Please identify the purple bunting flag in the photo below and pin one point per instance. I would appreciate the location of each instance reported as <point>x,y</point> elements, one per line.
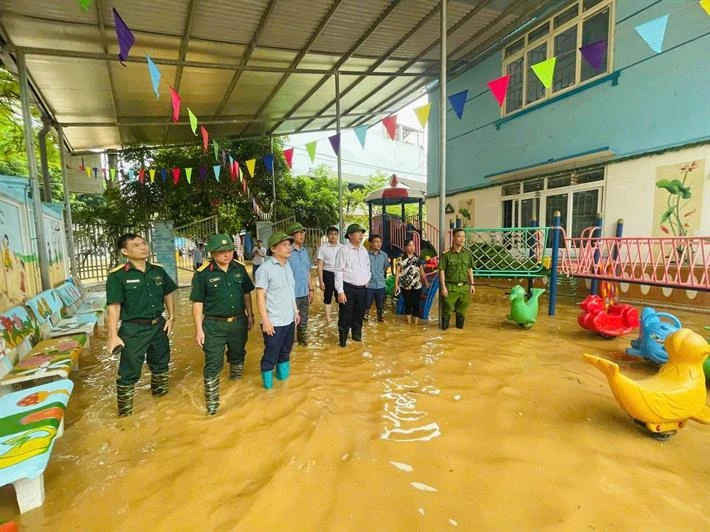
<point>594,53</point>
<point>203,173</point>
<point>125,36</point>
<point>335,143</point>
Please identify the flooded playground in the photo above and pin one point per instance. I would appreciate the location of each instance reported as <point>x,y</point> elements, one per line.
<point>491,427</point>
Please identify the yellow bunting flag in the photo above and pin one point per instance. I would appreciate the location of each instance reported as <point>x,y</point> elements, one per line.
<point>88,171</point>
<point>705,4</point>
<point>152,175</point>
<point>423,114</point>
<point>311,149</point>
<point>193,120</point>
<point>545,71</point>
<point>251,163</point>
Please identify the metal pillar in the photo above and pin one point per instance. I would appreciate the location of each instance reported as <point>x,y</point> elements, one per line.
<point>32,166</point>
<point>67,207</point>
<point>369,225</point>
<point>44,164</point>
<point>273,181</point>
<point>340,162</point>
<point>442,143</point>
<point>556,222</point>
<point>597,233</point>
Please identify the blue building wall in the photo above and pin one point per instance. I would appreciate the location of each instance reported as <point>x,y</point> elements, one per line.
<point>660,100</point>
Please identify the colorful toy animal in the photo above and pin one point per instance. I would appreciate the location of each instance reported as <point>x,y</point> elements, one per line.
<point>608,321</point>
<point>522,312</point>
<point>666,401</point>
<point>652,335</point>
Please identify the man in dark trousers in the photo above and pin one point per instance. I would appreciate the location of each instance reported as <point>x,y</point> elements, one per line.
<point>137,292</point>
<point>222,313</point>
<point>352,273</point>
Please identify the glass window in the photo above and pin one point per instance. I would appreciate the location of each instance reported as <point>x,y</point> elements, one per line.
<point>514,48</point>
<point>566,16</point>
<point>538,33</point>
<point>595,29</point>
<point>535,89</point>
<point>511,189</point>
<point>566,65</point>
<point>534,185</point>
<point>558,202</point>
<point>509,213</point>
<point>514,97</point>
<point>589,4</point>
<point>588,177</point>
<point>585,207</point>
<point>529,211</point>
<point>560,181</point>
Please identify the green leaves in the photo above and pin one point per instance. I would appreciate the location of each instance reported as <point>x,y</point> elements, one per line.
<point>675,187</point>
<point>666,215</point>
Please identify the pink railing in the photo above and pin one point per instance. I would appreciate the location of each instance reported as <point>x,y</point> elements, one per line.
<point>680,262</point>
<point>397,233</point>
<point>429,232</point>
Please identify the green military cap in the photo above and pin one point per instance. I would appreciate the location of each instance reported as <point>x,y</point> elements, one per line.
<point>220,242</point>
<point>354,228</point>
<point>295,227</point>
<point>277,238</point>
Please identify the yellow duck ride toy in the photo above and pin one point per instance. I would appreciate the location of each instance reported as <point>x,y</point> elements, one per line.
<point>663,403</point>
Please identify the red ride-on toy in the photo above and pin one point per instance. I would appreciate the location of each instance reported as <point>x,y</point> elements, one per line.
<point>604,316</point>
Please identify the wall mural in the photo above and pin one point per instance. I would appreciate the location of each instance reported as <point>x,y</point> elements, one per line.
<point>17,279</point>
<point>678,199</point>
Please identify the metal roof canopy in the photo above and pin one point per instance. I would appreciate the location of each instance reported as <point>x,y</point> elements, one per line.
<point>245,68</point>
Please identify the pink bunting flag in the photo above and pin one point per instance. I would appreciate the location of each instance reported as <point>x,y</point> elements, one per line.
<point>390,124</point>
<point>176,100</point>
<point>141,175</point>
<point>205,138</point>
<point>288,155</point>
<point>125,37</point>
<point>499,87</point>
<point>176,175</point>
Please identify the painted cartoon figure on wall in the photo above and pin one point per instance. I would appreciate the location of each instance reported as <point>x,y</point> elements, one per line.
<point>13,289</point>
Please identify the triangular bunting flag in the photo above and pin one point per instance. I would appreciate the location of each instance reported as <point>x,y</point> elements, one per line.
<point>83,166</point>
<point>176,175</point>
<point>215,146</point>
<point>361,134</point>
<point>335,143</point>
<point>96,172</point>
<point>154,76</point>
<point>232,171</point>
<point>544,71</point>
<point>112,171</point>
<point>269,162</point>
<point>458,101</point>
<point>250,164</point>
<point>311,149</point>
<point>217,169</point>
<point>594,54</point>
<point>288,155</point>
<point>499,87</point>
<point>653,32</point>
<point>141,175</point>
<point>390,124</point>
<point>193,121</point>
<point>131,175</point>
<point>164,175</point>
<point>125,37</point>
<point>152,175</point>
<point>422,113</point>
<point>188,174</point>
<point>203,173</point>
<point>88,171</point>
<point>103,173</point>
<point>84,4</point>
<point>705,4</point>
<point>205,138</point>
<point>175,98</point>
<point>231,161</point>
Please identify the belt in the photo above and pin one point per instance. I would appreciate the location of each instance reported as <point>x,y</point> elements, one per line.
<point>457,284</point>
<point>227,319</point>
<point>141,321</point>
<point>356,285</point>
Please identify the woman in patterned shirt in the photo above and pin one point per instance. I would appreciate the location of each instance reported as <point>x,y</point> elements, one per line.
<point>409,278</point>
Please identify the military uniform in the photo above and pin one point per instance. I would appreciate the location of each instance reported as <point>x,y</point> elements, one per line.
<point>225,320</point>
<point>141,296</point>
<point>455,267</point>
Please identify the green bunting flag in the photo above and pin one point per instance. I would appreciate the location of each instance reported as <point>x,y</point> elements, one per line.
<point>311,149</point>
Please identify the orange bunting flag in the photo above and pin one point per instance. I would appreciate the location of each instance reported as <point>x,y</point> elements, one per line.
<point>288,155</point>
<point>175,97</point>
<point>390,124</point>
<point>205,138</point>
<point>251,164</point>
<point>141,175</point>
<point>176,175</point>
<point>499,88</point>
<point>152,175</point>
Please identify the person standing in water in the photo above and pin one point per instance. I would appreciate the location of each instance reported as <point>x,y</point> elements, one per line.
<point>300,263</point>
<point>137,292</point>
<point>276,302</point>
<point>222,314</point>
<point>258,254</point>
<point>198,255</point>
<point>409,279</point>
<point>352,273</point>
<point>325,262</point>
<point>456,280</point>
<point>379,262</point>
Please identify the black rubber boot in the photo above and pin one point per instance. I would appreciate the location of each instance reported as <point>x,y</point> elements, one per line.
<point>301,335</point>
<point>459,321</point>
<point>236,370</point>
<point>380,316</point>
<point>342,337</point>
<point>212,394</point>
<point>445,320</point>
<point>158,384</point>
<point>124,394</point>
<point>357,335</point>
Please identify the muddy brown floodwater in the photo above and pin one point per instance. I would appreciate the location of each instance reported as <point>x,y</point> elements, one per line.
<point>491,427</point>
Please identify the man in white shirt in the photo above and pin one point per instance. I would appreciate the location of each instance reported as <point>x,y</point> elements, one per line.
<point>325,261</point>
<point>352,273</point>
<point>258,254</point>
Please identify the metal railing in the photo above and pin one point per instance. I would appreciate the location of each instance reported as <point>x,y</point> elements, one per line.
<point>189,236</point>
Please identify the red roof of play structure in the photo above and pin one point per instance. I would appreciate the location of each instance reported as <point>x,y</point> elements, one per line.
<point>395,193</point>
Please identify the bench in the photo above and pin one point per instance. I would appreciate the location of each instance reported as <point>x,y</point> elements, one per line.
<point>30,422</point>
<point>77,303</point>
<point>22,360</point>
<point>47,309</point>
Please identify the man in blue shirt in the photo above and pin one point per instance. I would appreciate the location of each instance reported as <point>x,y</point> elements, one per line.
<point>379,262</point>
<point>300,263</point>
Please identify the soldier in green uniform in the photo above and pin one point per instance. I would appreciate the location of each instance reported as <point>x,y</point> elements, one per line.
<point>222,312</point>
<point>456,280</point>
<point>136,294</point>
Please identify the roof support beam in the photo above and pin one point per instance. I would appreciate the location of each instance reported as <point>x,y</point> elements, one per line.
<point>104,41</point>
<point>380,19</point>
<point>247,55</point>
<point>297,60</point>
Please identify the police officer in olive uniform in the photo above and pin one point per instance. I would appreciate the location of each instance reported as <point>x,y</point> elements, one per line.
<point>456,280</point>
<point>222,312</point>
<point>136,293</point>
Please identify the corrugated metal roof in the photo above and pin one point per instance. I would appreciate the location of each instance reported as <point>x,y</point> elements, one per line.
<point>236,62</point>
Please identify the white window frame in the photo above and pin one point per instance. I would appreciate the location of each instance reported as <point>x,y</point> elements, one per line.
<point>549,40</point>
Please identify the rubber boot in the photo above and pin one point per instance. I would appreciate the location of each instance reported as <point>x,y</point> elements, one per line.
<point>301,335</point>
<point>342,337</point>
<point>366,317</point>
<point>459,321</point>
<point>267,379</point>
<point>124,394</point>
<point>283,370</point>
<point>357,335</point>
<point>158,384</point>
<point>380,316</point>
<point>211,394</point>
<point>445,320</point>
<point>236,370</point>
